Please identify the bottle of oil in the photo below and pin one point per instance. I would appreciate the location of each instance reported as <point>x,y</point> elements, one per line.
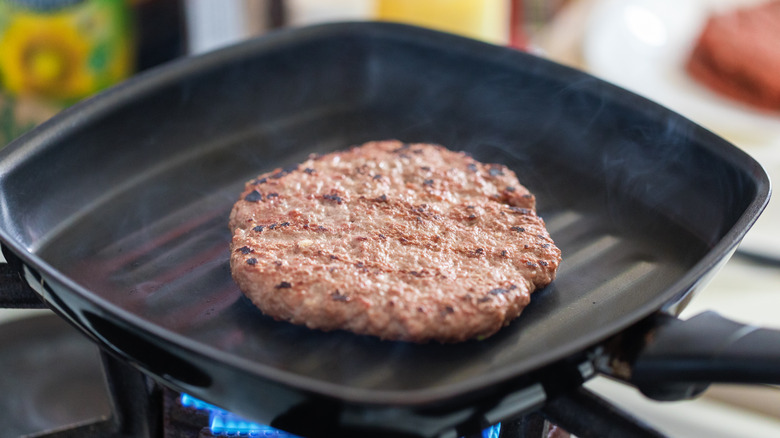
<point>56,52</point>
<point>482,19</point>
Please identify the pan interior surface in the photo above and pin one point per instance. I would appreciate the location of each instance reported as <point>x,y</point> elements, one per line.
<point>137,195</point>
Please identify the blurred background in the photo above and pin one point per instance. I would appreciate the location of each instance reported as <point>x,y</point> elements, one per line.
<point>715,61</point>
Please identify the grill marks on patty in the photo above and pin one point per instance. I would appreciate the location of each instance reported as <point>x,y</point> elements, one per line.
<point>396,240</point>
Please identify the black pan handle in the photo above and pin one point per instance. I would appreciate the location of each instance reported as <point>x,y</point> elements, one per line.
<point>681,358</point>
<point>15,293</point>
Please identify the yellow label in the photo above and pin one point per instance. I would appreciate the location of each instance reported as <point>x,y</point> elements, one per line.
<point>66,49</point>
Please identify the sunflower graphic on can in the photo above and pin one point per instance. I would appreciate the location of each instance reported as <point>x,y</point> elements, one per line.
<point>63,49</point>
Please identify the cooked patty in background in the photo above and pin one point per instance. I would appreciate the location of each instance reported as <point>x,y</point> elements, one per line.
<point>737,54</point>
<point>409,242</point>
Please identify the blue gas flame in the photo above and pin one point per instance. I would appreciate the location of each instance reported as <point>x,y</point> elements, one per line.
<point>224,423</point>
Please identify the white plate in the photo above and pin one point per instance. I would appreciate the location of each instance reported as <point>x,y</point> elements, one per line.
<point>642,45</point>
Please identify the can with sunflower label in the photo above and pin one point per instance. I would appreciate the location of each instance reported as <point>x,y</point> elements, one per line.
<point>56,52</point>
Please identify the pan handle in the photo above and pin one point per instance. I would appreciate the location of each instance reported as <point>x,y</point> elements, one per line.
<point>15,293</point>
<point>681,358</point>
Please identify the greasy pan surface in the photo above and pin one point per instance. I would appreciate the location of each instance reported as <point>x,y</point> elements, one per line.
<point>121,204</point>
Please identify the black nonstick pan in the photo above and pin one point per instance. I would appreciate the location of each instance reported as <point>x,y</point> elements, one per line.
<point>115,211</point>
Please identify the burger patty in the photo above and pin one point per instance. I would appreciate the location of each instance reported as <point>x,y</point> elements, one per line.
<point>737,55</point>
<point>409,242</point>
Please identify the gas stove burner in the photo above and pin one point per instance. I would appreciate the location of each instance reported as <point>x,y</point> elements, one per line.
<point>64,386</point>
<point>52,377</point>
<point>59,385</point>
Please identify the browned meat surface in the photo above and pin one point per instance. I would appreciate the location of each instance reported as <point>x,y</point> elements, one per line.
<point>738,55</point>
<point>408,242</point>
